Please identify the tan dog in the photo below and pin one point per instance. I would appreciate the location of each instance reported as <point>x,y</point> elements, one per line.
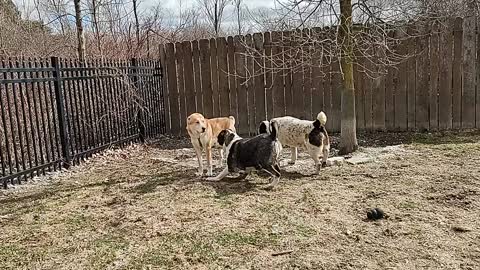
<point>203,133</point>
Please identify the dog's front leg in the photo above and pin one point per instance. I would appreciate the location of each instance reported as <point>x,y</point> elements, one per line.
<point>220,176</point>
<point>326,153</point>
<point>198,151</point>
<point>294,156</point>
<point>221,161</point>
<point>209,161</point>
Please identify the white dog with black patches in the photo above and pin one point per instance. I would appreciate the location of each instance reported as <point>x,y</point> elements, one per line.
<point>309,135</point>
<point>259,153</point>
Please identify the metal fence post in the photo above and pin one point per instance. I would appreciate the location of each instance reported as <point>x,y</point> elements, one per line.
<point>62,120</point>
<point>140,113</point>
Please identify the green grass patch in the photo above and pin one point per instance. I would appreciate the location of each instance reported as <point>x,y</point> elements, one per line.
<point>13,256</point>
<point>105,250</point>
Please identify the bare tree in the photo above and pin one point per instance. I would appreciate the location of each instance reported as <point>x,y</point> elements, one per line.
<point>238,13</point>
<point>213,10</point>
<point>345,38</point>
<point>80,34</point>
<point>137,24</point>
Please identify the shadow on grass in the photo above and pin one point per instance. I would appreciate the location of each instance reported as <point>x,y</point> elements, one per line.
<point>29,198</point>
<point>58,190</point>
<point>238,185</point>
<point>162,179</point>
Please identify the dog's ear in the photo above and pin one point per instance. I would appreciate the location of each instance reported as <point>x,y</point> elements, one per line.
<point>229,138</point>
<point>221,137</point>
<point>262,129</point>
<point>316,124</point>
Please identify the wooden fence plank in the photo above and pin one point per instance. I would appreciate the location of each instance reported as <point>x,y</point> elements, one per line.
<point>327,94</point>
<point>477,103</point>
<point>307,77</point>
<point>172,87</point>
<point>250,87</point>
<point>401,84</point>
<point>258,72</point>
<point>359,93</point>
<point>379,94</point>
<point>240,63</point>
<point>457,73</point>
<point>214,77</point>
<point>421,84</point>
<point>206,78</point>
<point>368,86</point>
<point>267,44</point>
<point>297,76</point>
<point>468,80</point>
<point>189,78</point>
<point>224,109</point>
<point>197,77</point>
<point>390,78</point>
<point>411,80</point>
<point>390,98</point>
<point>336,84</point>
<point>278,84</point>
<point>231,79</point>
<point>168,128</point>
<point>445,80</point>
<point>287,74</point>
<point>316,75</point>
<point>180,86</point>
<point>434,75</point>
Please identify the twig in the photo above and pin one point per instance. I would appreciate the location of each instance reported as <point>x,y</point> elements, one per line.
<point>282,253</point>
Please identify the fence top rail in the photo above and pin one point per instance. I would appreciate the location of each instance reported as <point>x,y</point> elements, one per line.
<point>112,68</point>
<point>27,80</point>
<point>22,69</point>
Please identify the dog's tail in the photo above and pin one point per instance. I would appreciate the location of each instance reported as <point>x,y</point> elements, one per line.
<point>322,117</point>
<point>273,130</point>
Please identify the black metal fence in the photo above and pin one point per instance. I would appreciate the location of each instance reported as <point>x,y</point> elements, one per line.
<point>55,112</point>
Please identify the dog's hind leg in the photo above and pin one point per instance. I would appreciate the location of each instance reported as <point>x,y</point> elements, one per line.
<point>275,175</point>
<point>220,176</point>
<point>294,155</point>
<point>315,154</point>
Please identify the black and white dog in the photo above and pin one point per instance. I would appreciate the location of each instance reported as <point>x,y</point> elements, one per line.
<point>259,153</point>
<point>309,135</point>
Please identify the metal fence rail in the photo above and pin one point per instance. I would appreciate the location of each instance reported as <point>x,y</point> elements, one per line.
<point>55,112</point>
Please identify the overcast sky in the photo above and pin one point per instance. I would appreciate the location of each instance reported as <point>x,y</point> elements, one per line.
<point>249,3</point>
<point>25,6</point>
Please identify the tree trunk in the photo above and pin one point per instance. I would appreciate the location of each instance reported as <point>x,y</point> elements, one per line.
<point>239,21</point>
<point>216,19</point>
<point>80,34</point>
<point>96,28</point>
<point>348,141</point>
<point>137,26</point>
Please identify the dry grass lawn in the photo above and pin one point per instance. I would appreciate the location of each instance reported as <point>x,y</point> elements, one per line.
<point>142,208</point>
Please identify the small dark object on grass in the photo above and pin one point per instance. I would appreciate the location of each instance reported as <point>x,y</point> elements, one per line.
<point>375,213</point>
<point>461,229</point>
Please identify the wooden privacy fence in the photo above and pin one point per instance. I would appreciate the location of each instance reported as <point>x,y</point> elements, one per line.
<point>54,112</point>
<point>437,88</point>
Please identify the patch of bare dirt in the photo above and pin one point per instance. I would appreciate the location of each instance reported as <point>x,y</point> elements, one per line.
<point>142,207</point>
